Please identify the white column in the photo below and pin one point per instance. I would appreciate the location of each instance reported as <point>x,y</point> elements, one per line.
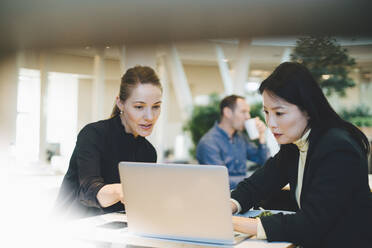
<point>241,66</point>
<point>365,89</point>
<point>179,81</point>
<point>286,55</point>
<point>224,70</point>
<point>159,134</point>
<point>43,105</point>
<point>98,86</point>
<point>9,68</point>
<point>122,59</point>
<point>355,75</point>
<point>183,97</point>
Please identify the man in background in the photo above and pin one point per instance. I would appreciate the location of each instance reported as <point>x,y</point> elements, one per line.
<point>226,144</point>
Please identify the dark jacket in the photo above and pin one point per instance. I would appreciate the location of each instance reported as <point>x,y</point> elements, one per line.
<point>336,201</point>
<point>100,146</point>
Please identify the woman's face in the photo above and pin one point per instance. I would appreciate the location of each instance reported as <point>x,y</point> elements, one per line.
<point>285,120</point>
<point>141,110</point>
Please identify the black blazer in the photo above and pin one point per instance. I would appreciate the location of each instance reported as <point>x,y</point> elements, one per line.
<point>100,146</point>
<point>336,201</point>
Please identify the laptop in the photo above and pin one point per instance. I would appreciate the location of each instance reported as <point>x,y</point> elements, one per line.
<point>178,202</point>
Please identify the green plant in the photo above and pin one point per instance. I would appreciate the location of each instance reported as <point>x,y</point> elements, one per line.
<point>327,61</point>
<point>202,119</point>
<point>360,116</point>
<point>256,111</point>
<point>362,121</point>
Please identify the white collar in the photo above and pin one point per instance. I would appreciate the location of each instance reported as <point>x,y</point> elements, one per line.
<point>302,142</point>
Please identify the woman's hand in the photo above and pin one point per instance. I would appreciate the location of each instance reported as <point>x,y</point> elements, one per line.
<point>110,194</point>
<point>234,208</point>
<point>119,192</point>
<point>245,225</point>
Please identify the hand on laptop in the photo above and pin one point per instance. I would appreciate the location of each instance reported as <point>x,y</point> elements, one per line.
<point>245,225</point>
<point>234,208</point>
<point>110,194</point>
<point>119,192</point>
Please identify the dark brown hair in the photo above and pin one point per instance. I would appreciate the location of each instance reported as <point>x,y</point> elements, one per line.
<point>132,77</point>
<point>230,102</point>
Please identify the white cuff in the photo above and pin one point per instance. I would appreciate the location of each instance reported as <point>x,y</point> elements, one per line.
<point>237,204</point>
<point>261,234</point>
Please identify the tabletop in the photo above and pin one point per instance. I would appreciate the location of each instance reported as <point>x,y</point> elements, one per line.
<point>91,230</point>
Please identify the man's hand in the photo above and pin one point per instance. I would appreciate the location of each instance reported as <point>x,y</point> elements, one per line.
<point>261,127</point>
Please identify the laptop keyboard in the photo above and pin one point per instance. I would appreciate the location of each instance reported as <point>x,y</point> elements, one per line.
<point>238,237</point>
<point>236,234</point>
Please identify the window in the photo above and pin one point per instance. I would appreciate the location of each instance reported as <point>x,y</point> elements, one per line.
<point>28,115</point>
<point>62,111</point>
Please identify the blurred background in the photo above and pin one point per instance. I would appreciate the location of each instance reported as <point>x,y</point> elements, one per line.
<point>61,64</point>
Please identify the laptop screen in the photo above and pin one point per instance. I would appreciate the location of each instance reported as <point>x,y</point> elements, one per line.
<point>174,201</point>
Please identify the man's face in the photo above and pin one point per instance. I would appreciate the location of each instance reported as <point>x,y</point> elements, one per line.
<point>240,114</point>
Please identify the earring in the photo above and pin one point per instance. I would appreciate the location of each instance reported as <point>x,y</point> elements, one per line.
<point>121,112</point>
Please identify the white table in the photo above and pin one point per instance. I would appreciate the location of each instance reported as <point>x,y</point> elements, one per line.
<point>88,230</point>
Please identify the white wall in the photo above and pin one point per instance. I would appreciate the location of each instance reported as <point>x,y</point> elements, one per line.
<point>203,80</point>
<point>361,93</point>
<point>8,103</point>
<point>84,103</point>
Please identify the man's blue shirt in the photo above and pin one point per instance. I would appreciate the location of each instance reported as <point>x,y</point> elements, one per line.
<point>215,147</point>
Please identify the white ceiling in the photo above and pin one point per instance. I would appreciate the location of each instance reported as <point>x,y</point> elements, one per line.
<point>265,53</point>
<point>195,26</point>
<point>76,23</point>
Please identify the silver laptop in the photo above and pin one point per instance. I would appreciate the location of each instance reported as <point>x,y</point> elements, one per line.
<point>178,202</point>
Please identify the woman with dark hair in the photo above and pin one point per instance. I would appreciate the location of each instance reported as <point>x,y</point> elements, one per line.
<point>324,160</point>
<point>91,185</point>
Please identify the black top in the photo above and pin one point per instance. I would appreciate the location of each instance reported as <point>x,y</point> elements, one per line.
<point>100,146</point>
<point>336,201</point>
